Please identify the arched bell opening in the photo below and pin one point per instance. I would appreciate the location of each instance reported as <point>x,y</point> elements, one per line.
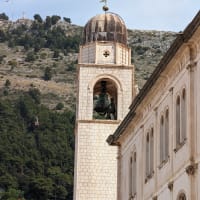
<point>105,100</point>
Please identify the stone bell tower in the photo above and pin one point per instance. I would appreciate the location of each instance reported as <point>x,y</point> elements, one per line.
<point>105,91</point>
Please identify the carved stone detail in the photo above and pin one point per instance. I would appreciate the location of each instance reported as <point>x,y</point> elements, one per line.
<point>191,169</point>
<point>191,66</point>
<point>170,185</point>
<point>155,198</point>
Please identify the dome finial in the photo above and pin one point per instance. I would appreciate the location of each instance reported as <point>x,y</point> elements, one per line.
<point>105,7</point>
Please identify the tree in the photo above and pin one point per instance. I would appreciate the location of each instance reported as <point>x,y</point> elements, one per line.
<point>12,194</point>
<point>4,16</point>
<point>67,19</point>
<point>3,36</point>
<point>56,53</point>
<point>41,188</point>
<point>35,162</point>
<point>1,58</point>
<point>30,56</point>
<point>35,94</point>
<point>38,18</point>
<point>48,22</point>
<point>47,74</point>
<point>59,106</point>
<point>7,83</point>
<point>13,63</point>
<point>55,19</point>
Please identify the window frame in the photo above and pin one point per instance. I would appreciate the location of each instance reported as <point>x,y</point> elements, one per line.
<point>181,129</point>
<point>149,155</point>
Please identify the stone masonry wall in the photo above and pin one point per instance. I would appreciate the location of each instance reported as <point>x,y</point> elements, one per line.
<point>96,165</point>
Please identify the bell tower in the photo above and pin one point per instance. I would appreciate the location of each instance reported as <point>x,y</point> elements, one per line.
<point>105,91</point>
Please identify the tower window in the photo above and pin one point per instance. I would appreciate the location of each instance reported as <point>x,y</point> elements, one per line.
<point>105,100</point>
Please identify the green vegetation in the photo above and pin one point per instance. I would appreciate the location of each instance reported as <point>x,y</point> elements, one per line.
<point>3,16</point>
<point>59,106</point>
<point>7,83</point>
<point>67,19</point>
<point>41,34</point>
<point>47,74</point>
<point>12,63</point>
<point>30,56</point>
<point>36,150</point>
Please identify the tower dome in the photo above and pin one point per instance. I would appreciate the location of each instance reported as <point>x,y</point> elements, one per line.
<point>105,27</point>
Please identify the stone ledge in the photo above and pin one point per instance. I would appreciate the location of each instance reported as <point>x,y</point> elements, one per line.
<point>96,121</point>
<point>105,65</point>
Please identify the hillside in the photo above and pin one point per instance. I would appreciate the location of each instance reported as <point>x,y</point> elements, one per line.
<point>28,48</point>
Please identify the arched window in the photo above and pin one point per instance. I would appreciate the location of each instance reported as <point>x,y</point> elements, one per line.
<point>105,100</point>
<point>178,121</point>
<point>182,196</point>
<point>151,151</point>
<point>166,134</point>
<point>134,172</point>
<point>183,115</point>
<point>161,139</point>
<point>164,137</point>
<point>132,175</point>
<point>149,154</point>
<point>181,121</point>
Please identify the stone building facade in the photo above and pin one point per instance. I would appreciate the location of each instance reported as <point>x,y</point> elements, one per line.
<point>158,141</point>
<point>153,145</point>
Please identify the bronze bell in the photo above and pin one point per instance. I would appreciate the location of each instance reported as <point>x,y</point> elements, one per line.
<point>102,101</point>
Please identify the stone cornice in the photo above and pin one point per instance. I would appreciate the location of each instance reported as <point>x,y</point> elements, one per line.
<point>96,121</point>
<point>114,66</point>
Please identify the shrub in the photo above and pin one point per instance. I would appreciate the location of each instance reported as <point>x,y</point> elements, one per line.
<point>30,56</point>
<point>47,74</point>
<point>35,94</point>
<point>1,58</point>
<point>59,106</point>
<point>3,16</point>
<point>7,83</point>
<point>67,19</point>
<point>38,18</point>
<point>12,63</point>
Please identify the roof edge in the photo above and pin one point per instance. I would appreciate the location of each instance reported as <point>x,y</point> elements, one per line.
<point>178,42</point>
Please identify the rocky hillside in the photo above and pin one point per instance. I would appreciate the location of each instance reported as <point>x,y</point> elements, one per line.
<point>43,55</point>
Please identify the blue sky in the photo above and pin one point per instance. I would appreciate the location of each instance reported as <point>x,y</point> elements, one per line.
<point>171,15</point>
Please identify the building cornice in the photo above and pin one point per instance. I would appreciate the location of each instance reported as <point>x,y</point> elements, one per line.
<point>182,38</point>
<point>99,121</point>
<point>114,66</point>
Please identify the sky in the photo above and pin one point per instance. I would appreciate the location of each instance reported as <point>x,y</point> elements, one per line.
<point>166,15</point>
